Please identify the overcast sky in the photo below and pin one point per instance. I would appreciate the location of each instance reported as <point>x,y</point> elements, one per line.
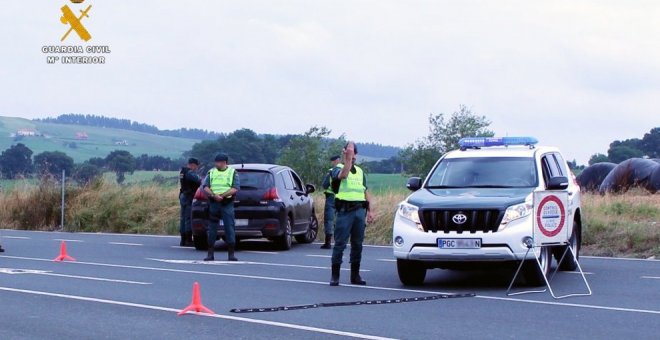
<point>575,74</point>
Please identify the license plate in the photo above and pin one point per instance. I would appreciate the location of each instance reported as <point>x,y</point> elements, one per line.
<point>238,222</point>
<point>459,243</point>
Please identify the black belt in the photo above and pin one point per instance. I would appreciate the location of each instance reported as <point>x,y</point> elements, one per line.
<point>348,206</point>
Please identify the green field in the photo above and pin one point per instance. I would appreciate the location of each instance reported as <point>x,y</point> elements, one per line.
<point>386,182</point>
<point>100,142</point>
<point>143,177</point>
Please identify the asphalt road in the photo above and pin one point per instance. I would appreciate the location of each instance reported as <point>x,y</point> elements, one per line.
<point>125,286</point>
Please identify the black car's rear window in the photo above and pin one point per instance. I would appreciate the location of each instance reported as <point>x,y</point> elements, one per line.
<point>255,180</point>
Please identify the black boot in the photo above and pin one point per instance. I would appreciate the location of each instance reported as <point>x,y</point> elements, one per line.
<point>328,242</point>
<point>230,253</point>
<point>210,256</point>
<point>334,280</point>
<point>182,243</point>
<point>1,250</point>
<point>188,241</point>
<point>355,275</point>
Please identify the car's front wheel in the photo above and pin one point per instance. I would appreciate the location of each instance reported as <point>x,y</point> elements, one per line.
<point>531,272</point>
<point>312,231</point>
<point>284,242</point>
<point>411,273</point>
<point>569,263</point>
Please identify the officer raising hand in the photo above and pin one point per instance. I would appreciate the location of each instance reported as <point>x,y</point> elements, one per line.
<point>354,211</point>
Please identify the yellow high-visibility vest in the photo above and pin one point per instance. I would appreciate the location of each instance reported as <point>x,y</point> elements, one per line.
<point>329,189</point>
<point>221,181</point>
<point>352,187</point>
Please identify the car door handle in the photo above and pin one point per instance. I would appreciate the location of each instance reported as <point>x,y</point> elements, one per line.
<point>570,193</point>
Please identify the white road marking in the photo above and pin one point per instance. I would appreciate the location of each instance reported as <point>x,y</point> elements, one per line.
<point>618,258</point>
<point>260,252</point>
<point>16,237</point>
<point>126,244</point>
<point>269,278</point>
<point>94,278</point>
<point>324,256</point>
<point>651,277</point>
<point>217,316</point>
<point>585,273</point>
<point>15,271</point>
<point>248,263</point>
<point>386,260</point>
<point>67,240</point>
<point>179,247</point>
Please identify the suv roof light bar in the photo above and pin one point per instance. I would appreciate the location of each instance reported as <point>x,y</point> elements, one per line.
<point>480,142</point>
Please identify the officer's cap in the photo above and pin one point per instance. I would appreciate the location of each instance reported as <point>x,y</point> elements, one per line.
<point>334,158</point>
<point>221,157</point>
<point>193,161</point>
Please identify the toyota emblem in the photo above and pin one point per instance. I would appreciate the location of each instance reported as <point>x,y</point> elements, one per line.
<point>459,218</point>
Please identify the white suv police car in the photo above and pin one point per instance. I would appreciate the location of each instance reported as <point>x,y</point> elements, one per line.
<point>475,208</point>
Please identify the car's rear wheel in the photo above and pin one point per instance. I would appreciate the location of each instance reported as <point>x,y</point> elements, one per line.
<point>312,231</point>
<point>286,239</point>
<point>201,241</point>
<point>531,272</point>
<point>411,273</point>
<point>575,242</point>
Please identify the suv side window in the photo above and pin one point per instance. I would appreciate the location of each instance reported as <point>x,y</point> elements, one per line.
<point>297,182</point>
<point>288,182</point>
<point>549,167</point>
<point>560,164</point>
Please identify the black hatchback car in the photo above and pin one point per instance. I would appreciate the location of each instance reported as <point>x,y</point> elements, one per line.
<point>273,202</point>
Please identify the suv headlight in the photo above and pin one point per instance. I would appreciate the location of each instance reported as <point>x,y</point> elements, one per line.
<point>409,212</point>
<point>515,212</point>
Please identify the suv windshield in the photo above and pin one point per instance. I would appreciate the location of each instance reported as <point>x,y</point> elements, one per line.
<point>253,180</point>
<point>484,172</point>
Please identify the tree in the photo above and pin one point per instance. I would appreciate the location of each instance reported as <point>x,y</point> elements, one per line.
<point>650,143</point>
<point>86,173</point>
<point>598,158</point>
<point>16,161</point>
<point>444,134</point>
<point>97,161</point>
<point>53,162</point>
<point>121,162</point>
<point>620,153</point>
<point>308,154</point>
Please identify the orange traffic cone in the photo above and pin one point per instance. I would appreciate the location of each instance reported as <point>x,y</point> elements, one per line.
<point>196,304</point>
<point>64,256</point>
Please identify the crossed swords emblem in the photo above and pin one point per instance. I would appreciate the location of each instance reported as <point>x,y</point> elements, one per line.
<point>75,22</point>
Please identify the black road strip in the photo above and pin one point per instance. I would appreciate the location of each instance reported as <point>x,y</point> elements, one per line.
<point>351,303</point>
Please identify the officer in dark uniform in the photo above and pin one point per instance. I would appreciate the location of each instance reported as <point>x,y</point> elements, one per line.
<point>329,208</point>
<point>1,250</point>
<point>221,186</point>
<point>189,181</point>
<point>354,211</point>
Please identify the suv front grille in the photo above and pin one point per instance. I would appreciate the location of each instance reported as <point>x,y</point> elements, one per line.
<point>438,220</point>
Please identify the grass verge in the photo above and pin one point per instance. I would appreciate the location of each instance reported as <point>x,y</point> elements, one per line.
<point>625,225</point>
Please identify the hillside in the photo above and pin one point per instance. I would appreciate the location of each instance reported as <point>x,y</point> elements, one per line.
<point>99,141</point>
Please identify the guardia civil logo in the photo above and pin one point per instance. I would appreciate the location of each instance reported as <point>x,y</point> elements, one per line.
<point>74,22</point>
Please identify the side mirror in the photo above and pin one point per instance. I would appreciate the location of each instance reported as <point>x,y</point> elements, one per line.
<point>557,183</point>
<point>309,188</point>
<point>414,183</point>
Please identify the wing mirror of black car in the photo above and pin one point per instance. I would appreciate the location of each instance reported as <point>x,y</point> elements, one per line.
<point>414,183</point>
<point>309,188</point>
<point>557,183</point>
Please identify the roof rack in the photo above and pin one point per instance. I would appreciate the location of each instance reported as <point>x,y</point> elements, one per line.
<point>481,142</point>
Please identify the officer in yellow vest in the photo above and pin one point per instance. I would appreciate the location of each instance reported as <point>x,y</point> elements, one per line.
<point>329,208</point>
<point>221,185</point>
<point>354,211</point>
